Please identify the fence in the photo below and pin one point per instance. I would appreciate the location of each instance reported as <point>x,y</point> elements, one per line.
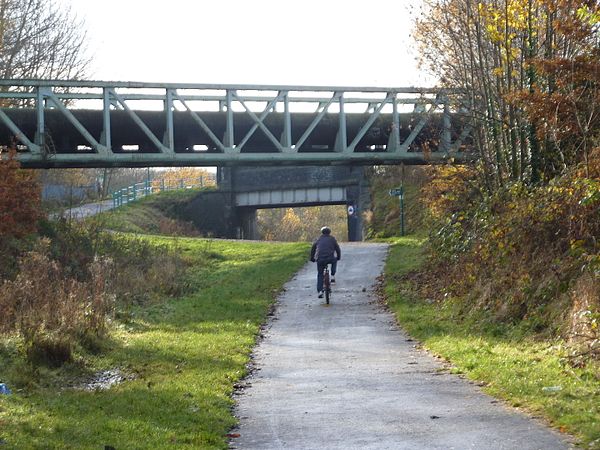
<point>139,190</point>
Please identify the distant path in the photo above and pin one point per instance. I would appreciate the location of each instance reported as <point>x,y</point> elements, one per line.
<point>89,209</point>
<point>344,377</point>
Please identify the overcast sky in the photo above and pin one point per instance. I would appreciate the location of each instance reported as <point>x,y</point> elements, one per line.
<point>308,42</point>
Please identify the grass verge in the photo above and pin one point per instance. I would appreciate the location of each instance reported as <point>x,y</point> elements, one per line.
<point>185,354</point>
<point>155,214</point>
<point>526,372</point>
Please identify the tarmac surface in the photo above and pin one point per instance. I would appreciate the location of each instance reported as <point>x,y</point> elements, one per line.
<point>344,376</point>
<point>87,210</point>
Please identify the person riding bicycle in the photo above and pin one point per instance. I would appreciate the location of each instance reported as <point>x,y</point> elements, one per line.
<point>325,250</point>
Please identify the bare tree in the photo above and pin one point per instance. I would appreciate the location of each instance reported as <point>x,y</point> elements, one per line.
<point>41,39</point>
<point>508,57</point>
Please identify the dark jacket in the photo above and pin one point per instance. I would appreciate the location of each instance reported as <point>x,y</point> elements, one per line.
<point>326,247</point>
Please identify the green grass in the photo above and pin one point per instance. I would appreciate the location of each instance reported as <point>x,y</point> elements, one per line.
<point>143,215</point>
<point>514,367</point>
<point>186,354</point>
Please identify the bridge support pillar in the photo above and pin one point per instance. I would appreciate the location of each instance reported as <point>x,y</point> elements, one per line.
<point>213,213</point>
<point>359,201</point>
<point>354,234</point>
<point>248,224</point>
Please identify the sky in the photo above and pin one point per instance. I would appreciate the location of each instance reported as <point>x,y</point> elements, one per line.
<point>307,43</point>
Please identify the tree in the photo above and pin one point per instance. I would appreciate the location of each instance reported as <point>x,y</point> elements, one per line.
<point>568,101</point>
<point>40,39</point>
<point>174,177</point>
<point>301,224</point>
<point>509,56</point>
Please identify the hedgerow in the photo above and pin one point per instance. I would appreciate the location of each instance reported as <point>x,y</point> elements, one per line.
<point>526,255</point>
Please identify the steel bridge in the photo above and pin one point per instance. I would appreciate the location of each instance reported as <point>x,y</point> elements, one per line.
<point>57,124</point>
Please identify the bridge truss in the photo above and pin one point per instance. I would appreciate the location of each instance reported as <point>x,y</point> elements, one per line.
<point>126,124</point>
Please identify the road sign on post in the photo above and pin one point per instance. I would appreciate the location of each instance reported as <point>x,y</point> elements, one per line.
<point>399,192</point>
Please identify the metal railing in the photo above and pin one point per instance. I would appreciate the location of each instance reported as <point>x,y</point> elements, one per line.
<point>138,190</point>
<point>62,123</point>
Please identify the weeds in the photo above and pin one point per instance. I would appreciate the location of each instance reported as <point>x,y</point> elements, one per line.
<point>50,310</point>
<point>69,286</point>
<point>584,331</point>
<point>522,255</point>
<point>186,354</point>
<point>141,269</point>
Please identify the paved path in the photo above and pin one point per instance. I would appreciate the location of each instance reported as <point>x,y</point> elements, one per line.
<point>89,209</point>
<point>344,377</point>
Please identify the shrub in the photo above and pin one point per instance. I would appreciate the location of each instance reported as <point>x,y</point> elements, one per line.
<point>141,270</point>
<point>50,309</point>
<point>584,326</point>
<point>519,254</point>
<point>20,198</point>
<point>20,210</point>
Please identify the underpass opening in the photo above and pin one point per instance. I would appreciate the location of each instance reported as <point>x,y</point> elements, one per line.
<point>302,223</point>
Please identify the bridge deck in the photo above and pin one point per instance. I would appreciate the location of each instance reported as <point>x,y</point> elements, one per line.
<point>95,124</point>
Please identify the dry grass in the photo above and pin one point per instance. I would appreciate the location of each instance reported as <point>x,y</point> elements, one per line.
<point>584,333</point>
<point>68,287</point>
<point>173,227</point>
<point>50,310</point>
<point>138,281</point>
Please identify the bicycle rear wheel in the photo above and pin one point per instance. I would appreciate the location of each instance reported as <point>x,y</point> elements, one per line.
<point>327,285</point>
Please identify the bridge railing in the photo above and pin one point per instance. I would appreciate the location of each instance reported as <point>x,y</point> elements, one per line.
<point>93,124</point>
<point>148,187</point>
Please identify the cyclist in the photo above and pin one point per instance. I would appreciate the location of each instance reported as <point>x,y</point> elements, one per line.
<point>325,250</point>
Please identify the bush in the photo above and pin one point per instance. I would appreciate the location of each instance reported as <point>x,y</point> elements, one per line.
<point>20,210</point>
<point>141,269</point>
<point>50,309</point>
<point>521,254</point>
<point>20,198</point>
<point>66,289</point>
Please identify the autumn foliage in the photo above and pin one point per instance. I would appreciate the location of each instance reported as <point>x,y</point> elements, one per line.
<point>19,198</point>
<point>529,73</point>
<point>186,175</point>
<point>301,224</point>
<point>524,255</point>
<point>517,236</point>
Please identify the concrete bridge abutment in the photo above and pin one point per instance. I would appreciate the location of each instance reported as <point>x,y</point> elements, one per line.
<point>231,211</point>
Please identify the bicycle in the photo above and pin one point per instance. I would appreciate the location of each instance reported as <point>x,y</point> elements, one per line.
<point>326,283</point>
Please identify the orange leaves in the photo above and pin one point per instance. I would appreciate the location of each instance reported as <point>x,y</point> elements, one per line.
<point>445,192</point>
<point>301,224</point>
<point>520,248</point>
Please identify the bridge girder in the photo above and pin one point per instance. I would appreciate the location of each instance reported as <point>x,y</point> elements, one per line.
<point>103,124</point>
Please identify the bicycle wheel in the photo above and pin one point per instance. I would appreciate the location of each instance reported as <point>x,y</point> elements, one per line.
<point>326,285</point>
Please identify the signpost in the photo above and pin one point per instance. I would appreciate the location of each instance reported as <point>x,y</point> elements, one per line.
<point>399,192</point>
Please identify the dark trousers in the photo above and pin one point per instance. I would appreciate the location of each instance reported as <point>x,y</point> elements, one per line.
<point>321,263</point>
